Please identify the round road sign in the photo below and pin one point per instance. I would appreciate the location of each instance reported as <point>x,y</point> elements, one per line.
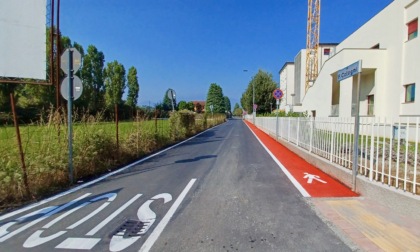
<point>77,88</point>
<point>277,93</point>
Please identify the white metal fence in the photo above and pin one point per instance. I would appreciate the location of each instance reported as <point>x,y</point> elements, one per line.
<point>388,148</point>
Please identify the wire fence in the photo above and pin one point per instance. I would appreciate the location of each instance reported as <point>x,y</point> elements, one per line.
<point>388,148</point>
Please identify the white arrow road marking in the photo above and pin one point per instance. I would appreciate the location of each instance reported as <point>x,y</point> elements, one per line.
<point>30,224</point>
<point>311,177</point>
<point>162,224</point>
<point>35,239</point>
<point>145,215</point>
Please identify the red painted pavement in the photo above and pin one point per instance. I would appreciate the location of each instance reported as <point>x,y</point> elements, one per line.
<point>298,168</point>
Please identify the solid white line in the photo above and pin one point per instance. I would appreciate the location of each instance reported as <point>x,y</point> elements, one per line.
<point>97,180</point>
<point>288,174</point>
<point>162,224</point>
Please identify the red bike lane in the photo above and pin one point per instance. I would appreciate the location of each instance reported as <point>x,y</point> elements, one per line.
<point>315,182</point>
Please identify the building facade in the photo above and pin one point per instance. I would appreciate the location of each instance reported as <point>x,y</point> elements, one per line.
<point>389,49</point>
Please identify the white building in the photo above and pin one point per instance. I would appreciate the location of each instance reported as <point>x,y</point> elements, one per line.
<point>287,76</point>
<point>389,48</point>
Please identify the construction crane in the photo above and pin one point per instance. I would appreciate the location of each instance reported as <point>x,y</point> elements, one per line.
<point>312,42</point>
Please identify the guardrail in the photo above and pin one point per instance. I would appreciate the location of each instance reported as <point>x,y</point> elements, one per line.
<point>388,148</point>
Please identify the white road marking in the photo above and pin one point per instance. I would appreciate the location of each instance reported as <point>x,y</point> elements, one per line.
<point>35,239</point>
<point>96,211</point>
<point>3,229</point>
<point>162,224</point>
<point>112,216</point>
<point>30,224</point>
<point>288,174</point>
<point>8,215</point>
<point>311,177</point>
<point>144,214</point>
<point>78,243</point>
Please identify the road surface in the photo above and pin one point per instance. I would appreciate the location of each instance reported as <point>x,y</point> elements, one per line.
<point>219,191</point>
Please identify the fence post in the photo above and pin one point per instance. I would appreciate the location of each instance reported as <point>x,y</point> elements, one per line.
<point>332,139</point>
<point>22,155</point>
<point>311,134</point>
<point>297,131</point>
<point>372,145</point>
<point>116,126</point>
<point>415,156</point>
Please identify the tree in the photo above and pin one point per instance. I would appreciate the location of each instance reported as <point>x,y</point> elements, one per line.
<point>167,104</point>
<point>115,84</point>
<point>133,87</point>
<point>182,105</point>
<point>227,104</point>
<point>92,74</point>
<point>264,86</point>
<point>237,111</point>
<point>190,106</point>
<point>215,98</point>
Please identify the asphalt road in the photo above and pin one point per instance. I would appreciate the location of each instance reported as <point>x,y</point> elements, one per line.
<point>219,191</point>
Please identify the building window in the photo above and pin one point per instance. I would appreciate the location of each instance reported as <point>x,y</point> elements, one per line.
<point>410,91</point>
<point>412,29</point>
<point>327,51</point>
<point>371,105</point>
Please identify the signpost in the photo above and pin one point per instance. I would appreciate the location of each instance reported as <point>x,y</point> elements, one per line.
<point>277,94</point>
<point>349,71</point>
<point>71,89</point>
<point>171,95</point>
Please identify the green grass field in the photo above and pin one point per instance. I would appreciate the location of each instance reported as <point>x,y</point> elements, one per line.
<point>95,151</point>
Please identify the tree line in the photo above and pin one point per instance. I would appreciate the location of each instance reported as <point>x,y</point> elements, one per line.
<point>103,87</point>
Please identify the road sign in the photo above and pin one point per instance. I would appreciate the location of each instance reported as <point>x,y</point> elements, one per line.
<point>77,88</point>
<point>349,71</point>
<point>77,60</point>
<point>255,107</point>
<point>171,94</point>
<point>277,93</point>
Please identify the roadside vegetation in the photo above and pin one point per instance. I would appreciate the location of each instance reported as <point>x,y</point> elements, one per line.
<point>96,150</point>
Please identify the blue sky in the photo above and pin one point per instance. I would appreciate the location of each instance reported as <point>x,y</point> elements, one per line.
<point>188,44</point>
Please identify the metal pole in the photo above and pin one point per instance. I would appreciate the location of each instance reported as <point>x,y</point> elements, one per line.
<point>253,103</point>
<point>58,41</point>
<point>277,118</point>
<point>172,100</point>
<point>69,116</point>
<point>22,155</point>
<point>356,131</point>
<point>116,125</point>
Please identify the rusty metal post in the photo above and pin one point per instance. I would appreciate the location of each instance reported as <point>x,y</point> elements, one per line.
<point>116,124</point>
<point>58,42</point>
<point>22,155</point>
<point>155,121</point>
